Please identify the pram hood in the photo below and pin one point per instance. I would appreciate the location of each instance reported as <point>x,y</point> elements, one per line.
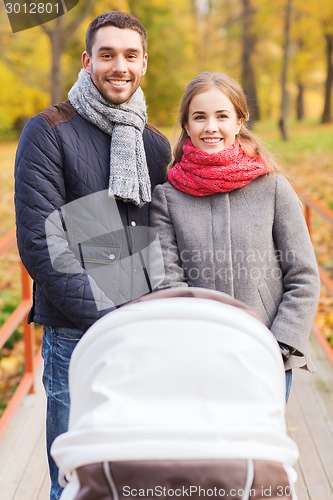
<point>182,374</point>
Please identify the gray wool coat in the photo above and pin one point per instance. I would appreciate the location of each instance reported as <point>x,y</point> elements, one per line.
<point>252,244</point>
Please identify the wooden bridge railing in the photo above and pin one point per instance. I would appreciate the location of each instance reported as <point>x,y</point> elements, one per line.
<point>312,205</point>
<point>18,316</point>
<point>31,360</point>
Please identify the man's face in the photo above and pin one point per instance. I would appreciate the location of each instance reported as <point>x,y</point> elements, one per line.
<point>117,63</point>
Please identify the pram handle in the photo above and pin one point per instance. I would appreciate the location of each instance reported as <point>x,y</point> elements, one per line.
<point>196,292</point>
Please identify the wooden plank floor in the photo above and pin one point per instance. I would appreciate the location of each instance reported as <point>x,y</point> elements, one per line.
<point>23,460</point>
<point>310,423</point>
<point>23,463</point>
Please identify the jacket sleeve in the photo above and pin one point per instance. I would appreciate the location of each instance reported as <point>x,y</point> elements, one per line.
<point>39,192</point>
<point>301,282</point>
<point>161,219</point>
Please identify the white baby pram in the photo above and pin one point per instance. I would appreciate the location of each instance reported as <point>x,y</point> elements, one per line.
<point>179,394</point>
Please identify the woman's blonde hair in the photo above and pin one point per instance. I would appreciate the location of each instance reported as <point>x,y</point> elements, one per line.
<point>204,82</point>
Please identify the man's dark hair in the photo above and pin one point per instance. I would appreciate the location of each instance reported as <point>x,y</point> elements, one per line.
<point>118,19</point>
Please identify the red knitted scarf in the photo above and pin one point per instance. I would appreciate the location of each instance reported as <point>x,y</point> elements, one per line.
<point>202,174</point>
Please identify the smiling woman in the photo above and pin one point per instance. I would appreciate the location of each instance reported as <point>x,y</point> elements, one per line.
<point>224,195</point>
<point>215,128</point>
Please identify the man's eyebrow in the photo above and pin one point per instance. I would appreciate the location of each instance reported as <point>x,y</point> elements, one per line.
<point>110,49</point>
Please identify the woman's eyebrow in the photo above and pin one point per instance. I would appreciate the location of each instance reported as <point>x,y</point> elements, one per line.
<point>217,111</point>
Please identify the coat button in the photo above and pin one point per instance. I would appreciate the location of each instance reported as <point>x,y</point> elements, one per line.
<point>133,223</point>
<point>112,256</point>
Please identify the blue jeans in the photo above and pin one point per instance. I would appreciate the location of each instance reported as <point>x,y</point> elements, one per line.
<point>289,377</point>
<point>57,347</point>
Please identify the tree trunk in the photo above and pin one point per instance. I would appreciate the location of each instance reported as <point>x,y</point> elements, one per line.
<point>57,47</point>
<point>248,76</point>
<point>284,106</point>
<point>58,33</point>
<point>300,101</point>
<point>326,118</point>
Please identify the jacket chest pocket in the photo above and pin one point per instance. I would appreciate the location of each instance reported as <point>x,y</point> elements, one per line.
<point>92,255</point>
<point>103,265</point>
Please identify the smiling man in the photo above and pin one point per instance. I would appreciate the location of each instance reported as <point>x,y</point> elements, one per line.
<point>116,62</point>
<point>98,141</point>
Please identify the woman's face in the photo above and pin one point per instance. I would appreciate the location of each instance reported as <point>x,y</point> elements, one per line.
<point>212,121</point>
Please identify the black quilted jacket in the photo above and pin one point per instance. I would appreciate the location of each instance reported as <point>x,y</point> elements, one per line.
<point>61,158</point>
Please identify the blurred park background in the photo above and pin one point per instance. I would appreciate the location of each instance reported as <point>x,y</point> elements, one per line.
<point>281,52</point>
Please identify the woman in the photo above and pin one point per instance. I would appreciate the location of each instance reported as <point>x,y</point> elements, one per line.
<point>229,221</point>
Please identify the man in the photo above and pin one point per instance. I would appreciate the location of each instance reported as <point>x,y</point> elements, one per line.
<point>96,142</point>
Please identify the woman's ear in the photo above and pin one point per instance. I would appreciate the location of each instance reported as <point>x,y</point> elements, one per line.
<point>239,125</point>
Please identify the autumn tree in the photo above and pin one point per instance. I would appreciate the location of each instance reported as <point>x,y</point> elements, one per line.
<point>171,30</point>
<point>24,71</point>
<point>59,31</point>
<point>284,104</point>
<point>248,49</point>
<point>230,39</point>
<point>243,38</point>
<point>327,25</point>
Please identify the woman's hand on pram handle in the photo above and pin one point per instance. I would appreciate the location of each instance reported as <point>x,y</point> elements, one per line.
<point>287,351</point>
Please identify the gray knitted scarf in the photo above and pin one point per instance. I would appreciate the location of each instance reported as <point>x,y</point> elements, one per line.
<point>129,177</point>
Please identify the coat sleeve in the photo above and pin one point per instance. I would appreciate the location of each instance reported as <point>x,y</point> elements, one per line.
<point>301,282</point>
<point>39,192</point>
<point>161,219</point>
